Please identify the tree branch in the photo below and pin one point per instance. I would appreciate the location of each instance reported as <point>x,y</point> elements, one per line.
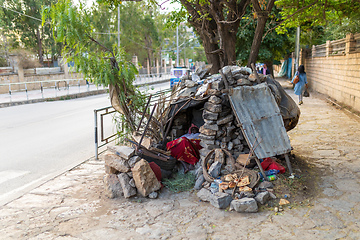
<point>288,17</point>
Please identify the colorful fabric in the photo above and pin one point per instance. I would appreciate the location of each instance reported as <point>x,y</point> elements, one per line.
<point>185,150</point>
<point>270,163</point>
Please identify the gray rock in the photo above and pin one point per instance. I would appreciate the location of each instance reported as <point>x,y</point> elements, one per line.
<point>207,142</point>
<point>133,160</point>
<point>236,142</point>
<point>122,151</point>
<point>247,194</point>
<point>206,131</point>
<point>214,127</point>
<point>130,174</point>
<point>243,82</point>
<point>153,195</point>
<point>206,137</point>
<point>195,77</point>
<point>226,139</point>
<point>223,145</point>
<point>218,85</point>
<point>210,122</point>
<point>215,108</point>
<point>220,200</point>
<point>230,146</point>
<point>213,92</point>
<point>225,120</point>
<point>128,190</point>
<point>220,133</point>
<point>198,171</point>
<point>272,195</point>
<point>215,100</point>
<point>110,170</point>
<point>204,195</point>
<point>262,197</point>
<point>204,152</point>
<point>266,184</point>
<point>244,205</point>
<point>214,169</point>
<point>219,156</point>
<point>132,183</point>
<point>199,181</point>
<point>190,84</point>
<point>112,186</point>
<point>116,162</point>
<point>210,115</point>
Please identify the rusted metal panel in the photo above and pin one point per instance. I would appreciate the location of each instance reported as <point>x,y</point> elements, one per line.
<point>259,115</point>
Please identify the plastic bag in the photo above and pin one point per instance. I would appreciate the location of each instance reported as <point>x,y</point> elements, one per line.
<point>306,93</point>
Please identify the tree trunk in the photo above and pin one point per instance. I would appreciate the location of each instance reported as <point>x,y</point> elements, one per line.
<point>229,43</point>
<point>255,47</point>
<point>259,30</point>
<point>39,43</point>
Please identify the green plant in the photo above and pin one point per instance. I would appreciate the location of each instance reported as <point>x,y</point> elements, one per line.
<point>180,183</point>
<point>101,65</point>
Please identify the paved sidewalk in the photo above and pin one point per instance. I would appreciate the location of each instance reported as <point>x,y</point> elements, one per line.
<point>73,205</point>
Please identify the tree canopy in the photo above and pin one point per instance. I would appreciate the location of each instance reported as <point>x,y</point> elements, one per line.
<point>21,20</point>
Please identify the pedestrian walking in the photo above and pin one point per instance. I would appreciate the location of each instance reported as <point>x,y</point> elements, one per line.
<point>300,81</point>
<point>265,70</point>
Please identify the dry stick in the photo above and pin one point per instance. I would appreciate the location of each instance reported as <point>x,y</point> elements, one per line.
<point>172,118</point>
<point>256,74</point>
<point>147,125</point>
<point>142,117</point>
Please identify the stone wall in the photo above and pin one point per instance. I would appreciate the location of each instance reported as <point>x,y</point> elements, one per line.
<point>334,69</point>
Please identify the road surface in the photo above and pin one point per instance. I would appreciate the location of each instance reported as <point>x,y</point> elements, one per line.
<point>42,140</point>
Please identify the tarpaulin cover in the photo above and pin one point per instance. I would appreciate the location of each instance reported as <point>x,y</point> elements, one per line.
<point>289,110</point>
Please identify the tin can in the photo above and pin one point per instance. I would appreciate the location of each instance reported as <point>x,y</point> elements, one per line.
<point>272,177</point>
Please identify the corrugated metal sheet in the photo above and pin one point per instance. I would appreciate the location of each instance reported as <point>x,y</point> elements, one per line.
<point>261,120</point>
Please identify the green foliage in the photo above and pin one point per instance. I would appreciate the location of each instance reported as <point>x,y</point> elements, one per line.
<point>21,24</point>
<point>180,183</point>
<point>312,13</point>
<point>274,46</point>
<point>98,63</point>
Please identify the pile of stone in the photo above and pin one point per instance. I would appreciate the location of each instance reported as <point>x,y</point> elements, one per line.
<point>221,131</point>
<point>127,174</point>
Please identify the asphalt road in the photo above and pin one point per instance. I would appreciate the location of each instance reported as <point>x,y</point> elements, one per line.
<point>42,140</point>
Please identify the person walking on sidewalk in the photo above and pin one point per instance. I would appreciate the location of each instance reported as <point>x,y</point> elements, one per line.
<point>301,84</point>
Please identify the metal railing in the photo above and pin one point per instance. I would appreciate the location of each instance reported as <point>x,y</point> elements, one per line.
<point>104,140</point>
<point>37,89</point>
<point>45,89</point>
<point>102,112</point>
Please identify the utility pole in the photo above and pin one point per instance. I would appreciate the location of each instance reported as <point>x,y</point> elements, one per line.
<point>177,46</point>
<point>297,49</point>
<point>119,26</point>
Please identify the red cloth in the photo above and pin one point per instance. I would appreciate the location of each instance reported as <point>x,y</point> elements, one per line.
<point>270,163</point>
<point>156,169</point>
<point>185,150</point>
